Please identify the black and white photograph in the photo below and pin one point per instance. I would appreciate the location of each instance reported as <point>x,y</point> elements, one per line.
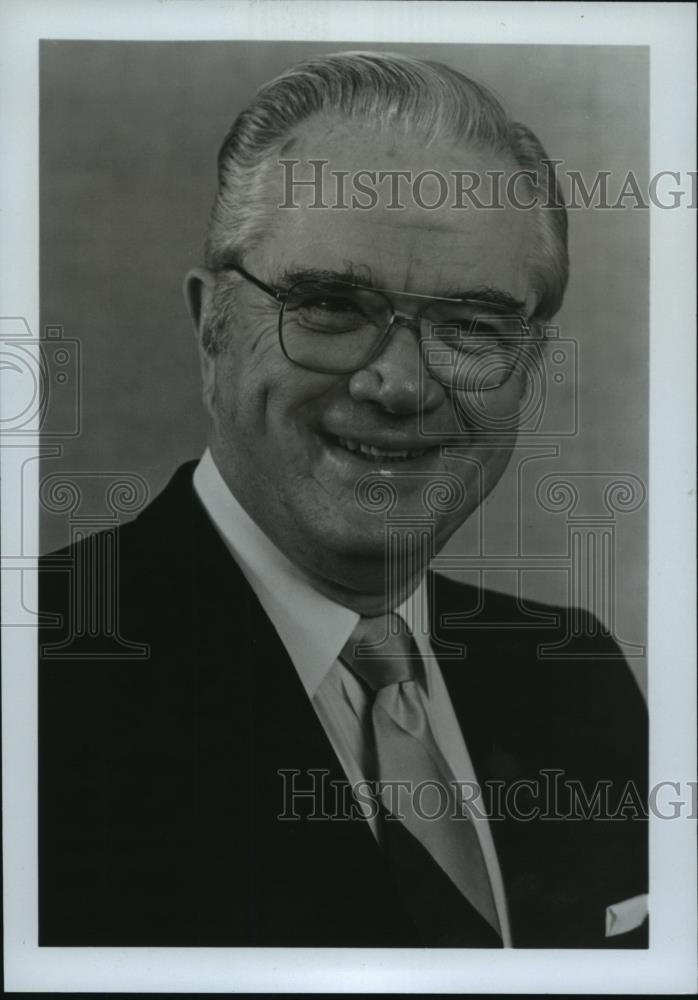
<point>347,500</point>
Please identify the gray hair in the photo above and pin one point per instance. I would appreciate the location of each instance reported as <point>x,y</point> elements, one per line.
<point>395,91</point>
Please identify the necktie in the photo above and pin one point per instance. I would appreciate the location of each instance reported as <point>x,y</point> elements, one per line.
<point>431,844</point>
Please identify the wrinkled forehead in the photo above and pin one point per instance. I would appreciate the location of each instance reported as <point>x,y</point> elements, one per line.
<point>336,161</point>
<point>381,200</point>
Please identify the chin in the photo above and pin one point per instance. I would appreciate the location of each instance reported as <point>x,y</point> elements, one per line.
<point>364,541</point>
<point>363,538</point>
<point>325,547</point>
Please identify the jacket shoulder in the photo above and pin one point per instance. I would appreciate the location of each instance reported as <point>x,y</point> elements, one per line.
<point>545,660</point>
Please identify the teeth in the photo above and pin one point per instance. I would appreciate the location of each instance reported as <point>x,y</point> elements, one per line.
<point>369,449</point>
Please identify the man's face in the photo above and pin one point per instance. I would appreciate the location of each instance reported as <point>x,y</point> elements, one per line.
<point>289,441</point>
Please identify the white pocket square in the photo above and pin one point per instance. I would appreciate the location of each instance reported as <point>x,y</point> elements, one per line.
<point>626,915</point>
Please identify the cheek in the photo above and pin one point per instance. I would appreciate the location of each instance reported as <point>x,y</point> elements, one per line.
<point>480,468</point>
<point>491,412</point>
<point>243,371</point>
<point>267,407</point>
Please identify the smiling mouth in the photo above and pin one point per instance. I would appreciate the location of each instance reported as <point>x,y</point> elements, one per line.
<point>371,453</point>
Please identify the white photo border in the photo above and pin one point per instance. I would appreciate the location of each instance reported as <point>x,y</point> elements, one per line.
<point>669,965</point>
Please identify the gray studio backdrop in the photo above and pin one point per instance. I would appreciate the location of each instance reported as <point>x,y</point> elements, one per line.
<point>129,136</point>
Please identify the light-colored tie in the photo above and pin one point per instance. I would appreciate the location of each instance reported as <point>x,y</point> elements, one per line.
<point>382,653</point>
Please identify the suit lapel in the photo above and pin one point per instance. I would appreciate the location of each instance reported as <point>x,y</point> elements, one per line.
<point>257,738</point>
<point>305,881</point>
<point>518,723</point>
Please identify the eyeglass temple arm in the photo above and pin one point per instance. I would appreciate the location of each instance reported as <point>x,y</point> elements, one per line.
<point>275,293</point>
<point>281,295</point>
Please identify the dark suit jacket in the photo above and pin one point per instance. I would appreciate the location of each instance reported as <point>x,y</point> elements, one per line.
<point>159,774</point>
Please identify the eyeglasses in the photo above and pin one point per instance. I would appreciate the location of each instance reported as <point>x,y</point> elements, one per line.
<point>338,327</point>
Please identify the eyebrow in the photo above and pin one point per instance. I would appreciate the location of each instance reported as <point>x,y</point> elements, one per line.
<point>349,275</point>
<point>361,276</point>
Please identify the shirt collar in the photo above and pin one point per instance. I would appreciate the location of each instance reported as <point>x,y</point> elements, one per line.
<point>313,628</point>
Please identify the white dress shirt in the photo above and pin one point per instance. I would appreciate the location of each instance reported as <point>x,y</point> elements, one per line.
<point>314,629</point>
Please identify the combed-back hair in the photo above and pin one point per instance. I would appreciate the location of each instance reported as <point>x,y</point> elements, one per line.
<point>386,90</point>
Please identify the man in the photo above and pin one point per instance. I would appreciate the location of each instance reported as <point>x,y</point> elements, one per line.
<point>296,759</point>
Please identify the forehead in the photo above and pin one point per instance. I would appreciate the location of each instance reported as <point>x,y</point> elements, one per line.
<point>397,242</point>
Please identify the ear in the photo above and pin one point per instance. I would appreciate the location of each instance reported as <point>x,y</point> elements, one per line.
<point>198,292</point>
<point>198,289</point>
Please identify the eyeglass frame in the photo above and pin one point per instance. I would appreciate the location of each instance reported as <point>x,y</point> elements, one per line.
<point>281,295</point>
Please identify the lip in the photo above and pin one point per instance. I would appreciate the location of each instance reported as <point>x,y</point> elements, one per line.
<point>385,439</point>
<point>374,452</point>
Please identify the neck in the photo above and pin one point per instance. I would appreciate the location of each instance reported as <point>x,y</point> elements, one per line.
<point>361,583</point>
<point>368,597</point>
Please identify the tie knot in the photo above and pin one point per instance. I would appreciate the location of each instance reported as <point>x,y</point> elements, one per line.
<point>381,651</point>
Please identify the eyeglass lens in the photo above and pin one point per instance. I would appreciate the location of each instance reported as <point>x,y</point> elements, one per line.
<point>329,328</point>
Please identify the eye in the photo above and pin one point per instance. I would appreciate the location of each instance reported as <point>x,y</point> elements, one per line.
<point>461,326</point>
<point>485,327</point>
<point>320,310</point>
<point>330,304</point>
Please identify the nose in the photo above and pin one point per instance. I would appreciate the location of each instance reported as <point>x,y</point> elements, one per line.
<point>397,379</point>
